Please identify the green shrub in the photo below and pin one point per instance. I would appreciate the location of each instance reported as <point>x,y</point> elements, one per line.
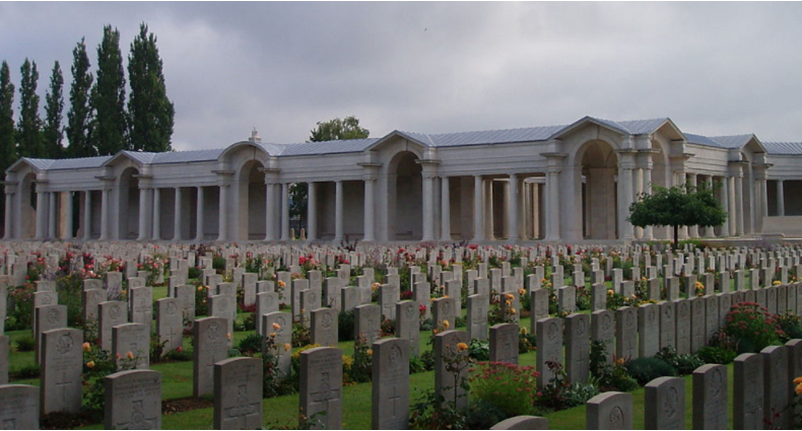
<point>791,326</point>
<point>479,350</point>
<point>526,342</point>
<point>561,394</point>
<point>250,345</point>
<point>194,272</point>
<point>609,377</point>
<point>26,343</point>
<point>644,370</point>
<point>19,316</point>
<point>684,363</point>
<point>416,365</point>
<point>219,263</point>
<point>345,325</point>
<point>716,355</point>
<point>30,371</point>
<point>509,387</point>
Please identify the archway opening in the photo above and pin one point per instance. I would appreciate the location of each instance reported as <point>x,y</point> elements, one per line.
<point>129,204</point>
<point>600,215</point>
<point>405,198</point>
<point>253,199</point>
<point>27,222</point>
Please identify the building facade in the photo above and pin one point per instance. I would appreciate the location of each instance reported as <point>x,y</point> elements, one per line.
<point>557,183</point>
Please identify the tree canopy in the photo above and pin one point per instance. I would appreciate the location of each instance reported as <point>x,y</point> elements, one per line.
<point>332,130</point>
<point>79,117</point>
<point>109,131</point>
<point>677,206</point>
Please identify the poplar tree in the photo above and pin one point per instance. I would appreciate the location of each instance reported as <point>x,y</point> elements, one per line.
<point>53,132</point>
<point>108,96</point>
<point>8,151</point>
<point>79,117</point>
<point>150,112</point>
<point>29,128</point>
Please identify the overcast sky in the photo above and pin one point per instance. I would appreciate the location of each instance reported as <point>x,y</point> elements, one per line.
<point>714,68</point>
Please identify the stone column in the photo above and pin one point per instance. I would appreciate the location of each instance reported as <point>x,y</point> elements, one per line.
<point>68,217</point>
<point>223,209</point>
<point>478,209</point>
<point>523,209</point>
<point>725,203</point>
<point>86,226</point>
<point>370,225</point>
<point>490,233</point>
<point>445,211</point>
<point>739,204</point>
<point>104,213</point>
<point>157,215</point>
<point>41,215</point>
<point>311,211</point>
<point>625,180</point>
<point>51,215</point>
<point>764,199</point>
<point>535,210</point>
<point>8,217</point>
<point>636,192</point>
<point>648,232</point>
<point>177,216</point>
<point>285,212</point>
<point>512,209</point>
<point>339,223</point>
<point>751,186</point>
<point>553,197</point>
<point>270,211</point>
<point>143,214</point>
<point>428,208</point>
<point>693,231</point>
<point>710,230</point>
<point>780,199</point>
<point>199,219</point>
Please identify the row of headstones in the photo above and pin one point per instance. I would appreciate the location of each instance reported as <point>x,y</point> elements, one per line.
<point>642,331</point>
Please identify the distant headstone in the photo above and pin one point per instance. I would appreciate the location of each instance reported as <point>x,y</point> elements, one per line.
<point>368,322</point>
<point>626,332</point>
<point>62,365</point>
<point>549,347</point>
<point>19,407</point>
<point>603,329</point>
<point>710,397</point>
<point>407,324</point>
<point>504,343</point>
<point>446,383</point>
<point>775,389</point>
<point>131,345</point>
<point>747,411</point>
<point>133,400</point>
<point>577,343</point>
<point>665,404</point>
<point>321,394</point>
<point>324,327</point>
<point>211,346</point>
<point>238,393</point>
<point>169,323</point>
<point>390,395</point>
<point>112,313</point>
<point>478,306</point>
<point>609,411</point>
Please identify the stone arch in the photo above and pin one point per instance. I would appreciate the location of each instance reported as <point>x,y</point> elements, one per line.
<point>129,203</point>
<point>252,198</point>
<point>599,166</point>
<point>405,197</point>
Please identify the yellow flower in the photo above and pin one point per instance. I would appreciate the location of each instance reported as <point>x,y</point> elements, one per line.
<point>776,283</point>
<point>508,302</point>
<point>87,347</point>
<point>620,361</point>
<point>434,331</point>
<point>512,311</point>
<point>799,389</point>
<point>446,324</point>
<point>272,335</point>
<point>462,347</point>
<point>509,296</point>
<point>200,288</point>
<point>610,292</point>
<point>228,335</point>
<point>276,326</point>
<point>90,364</point>
<point>281,283</point>
<point>287,347</point>
<point>521,292</point>
<point>798,380</point>
<point>130,355</point>
<point>370,352</point>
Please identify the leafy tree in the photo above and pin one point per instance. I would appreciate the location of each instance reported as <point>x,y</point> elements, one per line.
<point>108,96</point>
<point>332,130</point>
<point>53,132</point>
<point>79,118</point>
<point>29,128</point>
<point>677,206</point>
<point>151,112</point>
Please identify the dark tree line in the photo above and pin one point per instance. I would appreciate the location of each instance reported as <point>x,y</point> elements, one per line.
<point>99,122</point>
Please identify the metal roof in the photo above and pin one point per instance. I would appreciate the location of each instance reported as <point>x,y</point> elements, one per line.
<point>187,156</point>
<point>702,140</point>
<point>734,141</point>
<point>328,147</point>
<point>786,148</point>
<point>79,163</point>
